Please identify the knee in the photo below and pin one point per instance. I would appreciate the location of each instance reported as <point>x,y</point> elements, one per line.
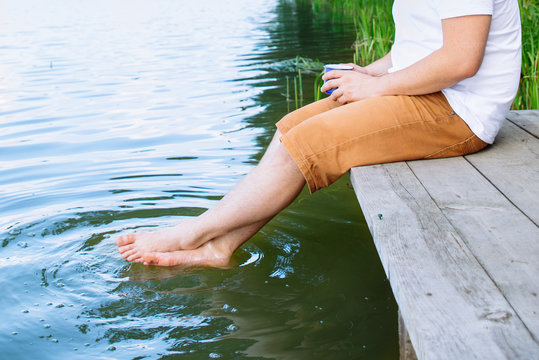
<point>283,156</point>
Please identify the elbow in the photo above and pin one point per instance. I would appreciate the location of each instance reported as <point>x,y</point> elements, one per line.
<point>467,68</point>
<point>470,70</point>
<point>462,64</point>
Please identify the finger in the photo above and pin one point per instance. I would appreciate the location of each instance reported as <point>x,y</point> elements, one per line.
<point>339,96</point>
<point>336,94</point>
<point>358,68</point>
<point>333,74</point>
<point>330,84</point>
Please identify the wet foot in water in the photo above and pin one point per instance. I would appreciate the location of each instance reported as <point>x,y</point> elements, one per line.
<point>182,237</point>
<point>164,248</point>
<point>213,253</point>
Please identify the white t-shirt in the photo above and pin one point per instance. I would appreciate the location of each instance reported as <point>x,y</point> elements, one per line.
<point>483,100</point>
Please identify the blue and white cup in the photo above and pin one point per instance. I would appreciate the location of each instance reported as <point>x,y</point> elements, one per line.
<point>330,67</point>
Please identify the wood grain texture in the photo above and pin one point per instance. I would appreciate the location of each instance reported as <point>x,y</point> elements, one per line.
<point>526,119</point>
<point>501,238</point>
<point>451,307</point>
<point>406,348</point>
<point>512,165</point>
<point>459,242</point>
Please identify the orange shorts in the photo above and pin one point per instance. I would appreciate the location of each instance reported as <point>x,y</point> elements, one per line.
<point>326,139</point>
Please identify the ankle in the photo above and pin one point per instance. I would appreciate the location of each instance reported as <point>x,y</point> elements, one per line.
<point>205,230</point>
<point>220,250</point>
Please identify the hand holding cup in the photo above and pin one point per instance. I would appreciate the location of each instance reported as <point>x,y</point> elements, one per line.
<point>330,67</point>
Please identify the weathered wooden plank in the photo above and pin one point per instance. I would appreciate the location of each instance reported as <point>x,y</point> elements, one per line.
<point>526,119</point>
<point>512,165</point>
<point>502,239</point>
<point>451,307</point>
<point>406,348</point>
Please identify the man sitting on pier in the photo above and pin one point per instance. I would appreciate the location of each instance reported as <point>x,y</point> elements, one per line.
<point>443,90</point>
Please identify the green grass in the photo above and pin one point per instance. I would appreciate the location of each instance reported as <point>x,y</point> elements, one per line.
<point>528,92</point>
<point>375,32</point>
<point>303,65</point>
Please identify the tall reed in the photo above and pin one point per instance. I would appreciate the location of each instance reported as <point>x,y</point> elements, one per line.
<point>375,33</point>
<point>528,92</point>
<point>303,65</point>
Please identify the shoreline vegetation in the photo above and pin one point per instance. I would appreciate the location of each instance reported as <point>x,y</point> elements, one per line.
<point>374,37</point>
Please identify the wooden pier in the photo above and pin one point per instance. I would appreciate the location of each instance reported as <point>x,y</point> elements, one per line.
<point>459,241</point>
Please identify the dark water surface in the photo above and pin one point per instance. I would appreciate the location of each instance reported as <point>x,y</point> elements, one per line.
<point>117,116</point>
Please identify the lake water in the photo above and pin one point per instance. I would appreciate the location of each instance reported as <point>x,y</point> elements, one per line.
<point>118,116</point>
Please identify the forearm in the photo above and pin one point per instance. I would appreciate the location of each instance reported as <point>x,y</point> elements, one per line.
<point>434,73</point>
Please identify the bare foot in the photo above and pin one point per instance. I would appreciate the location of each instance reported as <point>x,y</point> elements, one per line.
<point>213,253</point>
<point>181,237</point>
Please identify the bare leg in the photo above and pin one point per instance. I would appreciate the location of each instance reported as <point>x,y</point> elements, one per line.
<point>265,191</point>
<point>184,236</point>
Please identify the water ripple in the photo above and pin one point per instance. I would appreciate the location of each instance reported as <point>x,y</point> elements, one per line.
<point>129,116</point>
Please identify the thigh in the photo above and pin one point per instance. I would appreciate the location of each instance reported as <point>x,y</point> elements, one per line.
<point>296,117</point>
<point>372,131</point>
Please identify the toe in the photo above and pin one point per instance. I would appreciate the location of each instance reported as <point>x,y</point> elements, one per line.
<point>125,239</point>
<point>127,254</point>
<point>126,248</point>
<point>133,257</point>
<point>159,259</point>
<point>149,259</point>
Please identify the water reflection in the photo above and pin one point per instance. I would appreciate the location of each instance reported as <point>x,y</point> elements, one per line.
<point>295,31</point>
<point>129,116</point>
